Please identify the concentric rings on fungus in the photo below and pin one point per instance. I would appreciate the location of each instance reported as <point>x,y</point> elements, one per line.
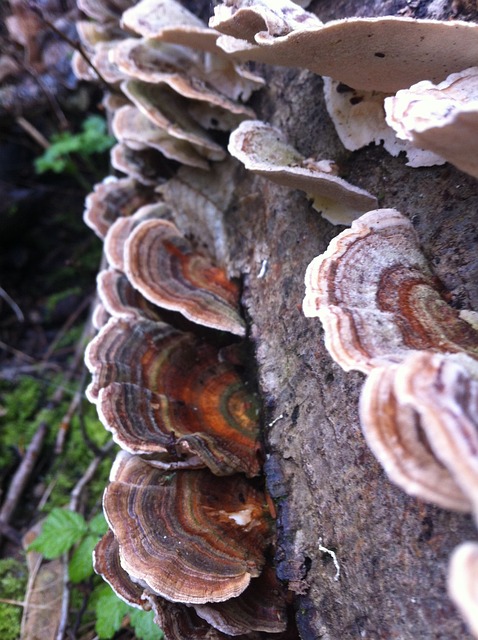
<point>187,535</point>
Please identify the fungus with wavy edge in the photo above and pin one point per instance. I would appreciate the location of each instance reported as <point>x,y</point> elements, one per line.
<point>106,563</point>
<point>377,298</point>
<point>99,316</point>
<point>138,132</point>
<point>188,536</point>
<point>359,120</point>
<point>368,53</point>
<point>169,111</point>
<point>111,199</point>
<point>463,583</point>
<point>121,228</point>
<point>169,21</point>
<point>261,607</point>
<point>124,349</point>
<point>244,20</point>
<point>120,299</point>
<point>442,118</point>
<point>264,150</point>
<point>160,390</point>
<point>395,433</point>
<point>163,265</point>
<point>443,389</point>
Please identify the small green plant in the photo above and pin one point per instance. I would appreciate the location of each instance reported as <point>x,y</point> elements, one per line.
<point>59,157</point>
<point>64,531</point>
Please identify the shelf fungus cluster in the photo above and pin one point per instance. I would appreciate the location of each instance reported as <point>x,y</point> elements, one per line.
<point>384,314</point>
<point>190,531</point>
<point>364,62</point>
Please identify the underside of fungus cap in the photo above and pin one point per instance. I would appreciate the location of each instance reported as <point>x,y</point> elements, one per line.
<point>264,150</point>
<point>190,536</point>
<point>147,61</point>
<point>359,119</point>
<point>163,265</point>
<point>143,165</point>
<point>169,111</point>
<point>377,298</point>
<point>395,433</point>
<point>138,132</point>
<point>369,53</point>
<point>463,583</point>
<point>442,118</point>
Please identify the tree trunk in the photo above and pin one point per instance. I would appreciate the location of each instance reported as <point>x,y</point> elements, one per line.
<point>331,494</point>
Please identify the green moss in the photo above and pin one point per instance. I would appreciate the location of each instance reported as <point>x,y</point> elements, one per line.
<point>13,580</point>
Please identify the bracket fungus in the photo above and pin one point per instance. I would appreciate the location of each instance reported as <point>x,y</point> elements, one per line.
<point>398,434</point>
<point>359,119</point>
<point>463,583</point>
<point>264,150</point>
<point>160,390</point>
<point>377,298</point>
<point>372,54</point>
<point>189,537</point>
<point>111,199</point>
<point>162,264</point>
<point>442,118</point>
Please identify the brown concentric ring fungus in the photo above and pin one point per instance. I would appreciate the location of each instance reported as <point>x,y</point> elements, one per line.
<point>261,607</point>
<point>377,298</point>
<point>111,199</point>
<point>163,391</point>
<point>264,150</point>
<point>443,389</point>
<point>143,165</point>
<point>396,434</point>
<point>369,53</point>
<point>162,264</point>
<point>120,299</point>
<point>106,563</point>
<point>123,349</point>
<point>188,536</point>
<point>122,227</point>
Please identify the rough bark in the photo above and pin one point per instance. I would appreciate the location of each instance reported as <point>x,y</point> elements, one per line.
<point>392,550</point>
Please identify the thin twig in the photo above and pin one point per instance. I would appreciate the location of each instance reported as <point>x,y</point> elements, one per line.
<point>77,46</point>
<point>14,306</point>
<point>23,474</point>
<point>33,132</point>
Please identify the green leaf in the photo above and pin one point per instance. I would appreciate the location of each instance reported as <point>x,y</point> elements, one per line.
<point>60,531</point>
<point>110,611</point>
<point>144,625</point>
<point>98,525</point>
<point>81,563</point>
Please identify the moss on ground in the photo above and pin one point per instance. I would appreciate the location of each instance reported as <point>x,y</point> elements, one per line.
<point>13,580</point>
